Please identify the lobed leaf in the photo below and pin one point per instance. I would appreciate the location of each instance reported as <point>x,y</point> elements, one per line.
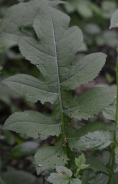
<point>85,70</point>
<point>95,140</point>
<point>32,124</point>
<point>31,88</point>
<point>91,102</point>
<point>19,16</point>
<point>50,156</point>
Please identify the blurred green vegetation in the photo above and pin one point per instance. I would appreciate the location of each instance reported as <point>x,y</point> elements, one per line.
<point>16,152</point>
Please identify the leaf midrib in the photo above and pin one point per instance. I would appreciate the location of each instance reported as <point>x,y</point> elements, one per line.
<point>58,81</point>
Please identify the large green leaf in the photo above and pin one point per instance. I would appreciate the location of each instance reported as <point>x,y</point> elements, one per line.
<point>94,140</point>
<point>31,88</point>
<point>33,124</point>
<point>91,102</point>
<point>49,157</point>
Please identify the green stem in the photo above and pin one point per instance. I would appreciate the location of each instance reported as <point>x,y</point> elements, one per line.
<point>115,131</point>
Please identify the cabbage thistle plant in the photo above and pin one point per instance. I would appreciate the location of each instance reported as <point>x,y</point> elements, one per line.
<point>45,39</point>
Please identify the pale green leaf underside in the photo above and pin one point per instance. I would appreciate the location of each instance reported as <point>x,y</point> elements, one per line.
<point>32,124</point>
<point>31,88</point>
<point>95,140</point>
<point>91,102</point>
<point>50,157</point>
<point>18,16</point>
<point>114,20</point>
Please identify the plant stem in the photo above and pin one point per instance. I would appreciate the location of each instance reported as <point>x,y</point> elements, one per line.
<point>115,130</point>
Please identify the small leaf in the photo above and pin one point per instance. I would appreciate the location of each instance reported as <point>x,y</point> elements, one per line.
<point>63,176</point>
<point>80,162</point>
<point>114,20</point>
<point>66,171</point>
<point>50,157</point>
<point>96,164</point>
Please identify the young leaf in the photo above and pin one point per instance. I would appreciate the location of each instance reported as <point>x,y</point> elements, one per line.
<point>114,20</point>
<point>63,176</point>
<point>49,157</point>
<point>80,162</point>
